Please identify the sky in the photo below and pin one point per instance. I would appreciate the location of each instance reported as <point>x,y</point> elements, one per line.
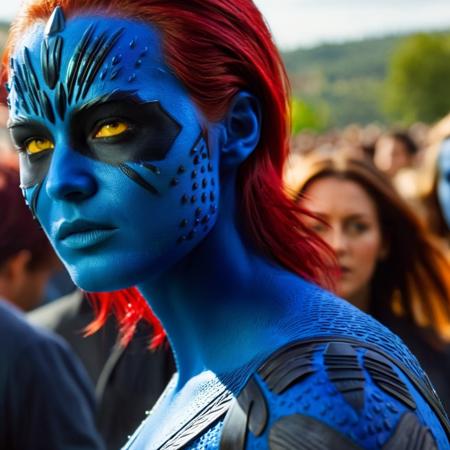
<point>306,23</point>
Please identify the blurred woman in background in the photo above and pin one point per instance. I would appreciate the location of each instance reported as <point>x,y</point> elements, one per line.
<point>390,266</point>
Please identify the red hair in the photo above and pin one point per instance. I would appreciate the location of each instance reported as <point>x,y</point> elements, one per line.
<point>217,48</point>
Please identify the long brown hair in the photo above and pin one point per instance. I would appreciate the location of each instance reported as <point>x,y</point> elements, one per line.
<point>413,281</point>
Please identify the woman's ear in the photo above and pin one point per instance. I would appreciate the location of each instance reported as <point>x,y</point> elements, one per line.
<point>242,129</point>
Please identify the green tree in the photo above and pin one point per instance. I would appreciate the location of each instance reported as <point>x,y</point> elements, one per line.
<point>306,116</point>
<point>418,82</point>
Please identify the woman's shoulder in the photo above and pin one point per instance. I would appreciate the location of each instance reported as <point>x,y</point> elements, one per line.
<point>334,393</point>
<point>322,314</point>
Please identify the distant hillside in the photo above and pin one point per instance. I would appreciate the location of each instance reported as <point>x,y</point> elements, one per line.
<point>342,83</point>
<point>346,79</point>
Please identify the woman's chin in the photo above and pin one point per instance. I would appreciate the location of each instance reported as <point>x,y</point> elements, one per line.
<point>93,282</point>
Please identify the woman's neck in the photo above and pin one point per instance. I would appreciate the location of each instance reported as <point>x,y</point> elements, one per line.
<point>220,305</point>
<point>361,299</point>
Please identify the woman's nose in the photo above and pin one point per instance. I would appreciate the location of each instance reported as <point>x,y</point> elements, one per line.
<point>70,176</point>
<point>338,240</point>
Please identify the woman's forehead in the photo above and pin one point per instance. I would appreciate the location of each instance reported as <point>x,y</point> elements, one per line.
<point>62,64</point>
<point>341,194</point>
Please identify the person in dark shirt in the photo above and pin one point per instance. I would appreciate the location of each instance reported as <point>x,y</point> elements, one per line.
<point>128,379</point>
<point>46,401</point>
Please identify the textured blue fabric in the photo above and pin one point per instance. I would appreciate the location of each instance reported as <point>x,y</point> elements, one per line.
<point>316,396</point>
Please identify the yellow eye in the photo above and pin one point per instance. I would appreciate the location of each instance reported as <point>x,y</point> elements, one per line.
<point>34,146</point>
<point>111,129</point>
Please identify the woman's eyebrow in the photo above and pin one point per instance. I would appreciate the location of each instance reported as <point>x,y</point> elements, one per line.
<point>20,121</point>
<point>357,216</point>
<point>117,95</point>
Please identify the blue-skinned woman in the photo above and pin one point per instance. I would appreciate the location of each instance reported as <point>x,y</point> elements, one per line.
<point>152,138</point>
<point>435,181</point>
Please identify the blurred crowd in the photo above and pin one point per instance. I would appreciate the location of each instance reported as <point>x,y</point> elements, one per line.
<point>369,192</point>
<point>408,157</point>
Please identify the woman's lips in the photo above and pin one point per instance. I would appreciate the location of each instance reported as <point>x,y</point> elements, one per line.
<point>81,234</point>
<point>345,270</point>
<point>87,239</point>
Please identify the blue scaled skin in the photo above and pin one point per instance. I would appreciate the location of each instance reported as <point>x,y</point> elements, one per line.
<point>443,187</point>
<point>135,187</point>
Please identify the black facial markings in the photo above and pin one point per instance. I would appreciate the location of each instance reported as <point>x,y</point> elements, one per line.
<point>26,85</point>
<point>89,57</point>
<point>56,23</point>
<point>95,60</point>
<point>75,62</point>
<point>51,51</point>
<point>116,59</point>
<point>18,81</point>
<point>115,73</point>
<point>181,170</point>
<point>61,100</point>
<point>34,199</point>
<point>151,167</point>
<point>133,175</point>
<point>45,102</point>
<point>150,135</point>
<point>32,80</point>
<point>201,191</point>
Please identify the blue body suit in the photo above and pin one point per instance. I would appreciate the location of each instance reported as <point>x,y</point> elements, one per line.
<point>135,187</point>
<point>346,383</point>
